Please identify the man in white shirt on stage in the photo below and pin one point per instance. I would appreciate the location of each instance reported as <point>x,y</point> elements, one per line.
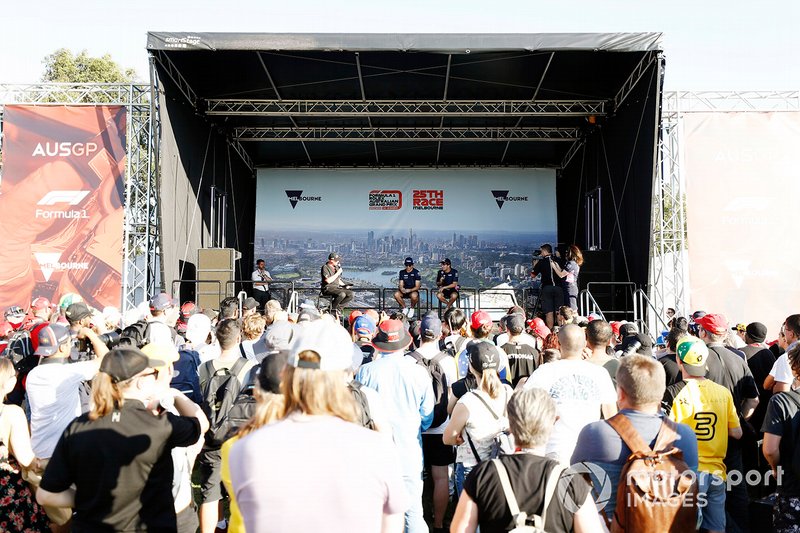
<point>261,279</point>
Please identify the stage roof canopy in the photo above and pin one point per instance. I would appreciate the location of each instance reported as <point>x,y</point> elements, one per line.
<point>404,99</point>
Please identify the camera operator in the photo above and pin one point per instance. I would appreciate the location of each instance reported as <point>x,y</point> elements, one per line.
<point>551,295</point>
<point>86,343</point>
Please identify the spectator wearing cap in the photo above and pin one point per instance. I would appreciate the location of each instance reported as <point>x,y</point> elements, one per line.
<point>364,329</point>
<point>159,328</point>
<point>708,408</point>
<point>406,391</point>
<point>261,279</point>
<point>249,307</point>
<point>41,310</point>
<point>79,317</point>
<point>480,414</point>
<point>760,360</point>
<point>408,283</point>
<point>780,377</point>
<point>539,330</point>
<point>740,330</point>
<point>200,339</point>
<point>56,395</point>
<point>332,285</point>
<point>672,372</point>
<point>187,310</point>
<point>183,457</point>
<point>729,370</point>
<point>318,414</point>
<point>583,392</point>
<point>481,327</point>
<point>523,337</point>
<point>120,442</point>
<point>636,343</point>
<point>447,281</point>
<point>438,456</point>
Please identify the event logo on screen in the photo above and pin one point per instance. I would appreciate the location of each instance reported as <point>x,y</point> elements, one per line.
<point>429,199</point>
<point>51,262</point>
<point>64,149</point>
<point>297,196</point>
<point>502,197</point>
<point>384,200</point>
<point>62,197</point>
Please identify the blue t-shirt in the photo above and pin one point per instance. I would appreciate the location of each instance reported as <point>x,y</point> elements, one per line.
<point>603,454</point>
<point>409,279</point>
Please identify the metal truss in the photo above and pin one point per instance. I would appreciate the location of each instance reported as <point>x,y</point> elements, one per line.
<point>411,108</point>
<point>406,134</point>
<point>636,75</point>
<point>141,266</point>
<point>669,265</point>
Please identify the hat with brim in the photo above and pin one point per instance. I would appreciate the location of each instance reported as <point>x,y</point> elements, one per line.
<point>125,363</point>
<point>392,336</point>
<point>50,338</point>
<point>693,354</point>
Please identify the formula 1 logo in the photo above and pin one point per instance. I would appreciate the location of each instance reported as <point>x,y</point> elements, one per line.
<point>502,197</point>
<point>297,196</point>
<point>385,200</point>
<point>66,197</point>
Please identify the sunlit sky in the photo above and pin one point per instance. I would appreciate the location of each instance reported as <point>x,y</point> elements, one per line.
<point>730,45</point>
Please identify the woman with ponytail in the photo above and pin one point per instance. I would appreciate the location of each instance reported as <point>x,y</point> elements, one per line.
<point>113,465</point>
<point>480,414</point>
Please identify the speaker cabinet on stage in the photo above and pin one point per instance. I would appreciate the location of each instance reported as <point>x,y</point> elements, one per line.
<point>598,266</point>
<point>215,268</point>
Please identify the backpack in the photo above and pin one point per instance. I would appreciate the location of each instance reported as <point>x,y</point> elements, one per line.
<point>454,349</point>
<point>220,389</point>
<point>363,404</point>
<point>657,492</point>
<point>20,350</point>
<point>521,518</point>
<point>523,359</point>
<point>502,442</point>
<point>242,410</point>
<point>439,380</point>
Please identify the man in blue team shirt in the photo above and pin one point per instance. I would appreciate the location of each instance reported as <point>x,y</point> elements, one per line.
<point>408,282</point>
<point>600,450</point>
<point>406,392</point>
<point>447,281</point>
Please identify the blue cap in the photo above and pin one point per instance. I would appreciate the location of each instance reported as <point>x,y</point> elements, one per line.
<point>409,261</point>
<point>430,328</point>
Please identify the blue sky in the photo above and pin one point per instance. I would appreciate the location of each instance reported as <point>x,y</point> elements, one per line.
<point>730,45</point>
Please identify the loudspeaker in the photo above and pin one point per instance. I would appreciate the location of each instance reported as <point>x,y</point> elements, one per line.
<point>215,269</point>
<point>598,266</point>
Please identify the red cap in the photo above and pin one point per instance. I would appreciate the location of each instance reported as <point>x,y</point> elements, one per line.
<point>479,318</point>
<point>539,328</point>
<point>40,303</point>
<point>353,315</point>
<point>615,327</point>
<point>713,323</point>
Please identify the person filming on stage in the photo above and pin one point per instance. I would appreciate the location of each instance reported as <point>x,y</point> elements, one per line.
<point>332,285</point>
<point>551,296</point>
<point>408,283</point>
<point>447,280</point>
<point>261,279</point>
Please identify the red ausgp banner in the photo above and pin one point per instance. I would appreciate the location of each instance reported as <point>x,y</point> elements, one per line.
<point>61,203</point>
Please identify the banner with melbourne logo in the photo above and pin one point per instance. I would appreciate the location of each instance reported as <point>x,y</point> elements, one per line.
<point>61,203</point>
<point>487,221</point>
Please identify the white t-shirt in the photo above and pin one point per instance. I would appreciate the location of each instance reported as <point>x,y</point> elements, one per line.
<point>448,364</point>
<point>579,388</point>
<point>256,276</point>
<point>54,400</point>
<point>781,371</point>
<point>481,425</point>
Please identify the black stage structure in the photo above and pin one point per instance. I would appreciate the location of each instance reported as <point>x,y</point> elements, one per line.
<point>588,105</point>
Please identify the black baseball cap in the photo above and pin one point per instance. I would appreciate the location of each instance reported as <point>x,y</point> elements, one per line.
<point>409,261</point>
<point>124,363</point>
<point>50,338</point>
<point>333,255</point>
<point>77,311</point>
<point>249,303</point>
<point>483,355</point>
<point>445,261</point>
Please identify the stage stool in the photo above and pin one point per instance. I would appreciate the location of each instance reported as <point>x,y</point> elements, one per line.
<point>324,303</point>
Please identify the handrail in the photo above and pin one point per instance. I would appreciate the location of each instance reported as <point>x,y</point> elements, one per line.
<point>644,299</point>
<point>585,298</point>
<point>630,288</point>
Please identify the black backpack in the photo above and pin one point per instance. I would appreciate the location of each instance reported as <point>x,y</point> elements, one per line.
<point>221,388</point>
<point>439,381</point>
<point>19,350</point>
<point>242,410</point>
<point>523,359</point>
<point>363,404</point>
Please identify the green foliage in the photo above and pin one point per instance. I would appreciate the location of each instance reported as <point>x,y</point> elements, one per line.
<point>62,66</point>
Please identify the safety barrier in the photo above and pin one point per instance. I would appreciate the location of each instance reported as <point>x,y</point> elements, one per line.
<point>618,312</point>
<point>648,322</point>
